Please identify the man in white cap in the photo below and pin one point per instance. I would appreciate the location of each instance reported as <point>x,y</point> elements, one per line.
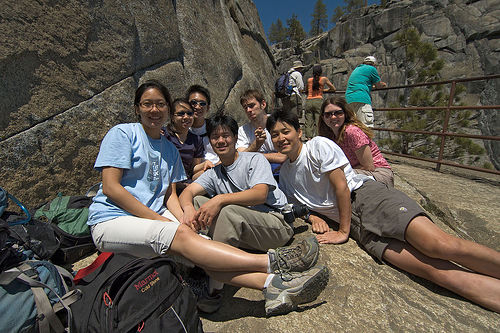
<point>294,101</point>
<point>359,87</point>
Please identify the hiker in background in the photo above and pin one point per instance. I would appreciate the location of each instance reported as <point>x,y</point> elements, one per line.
<point>359,86</point>
<point>199,99</point>
<point>339,123</point>
<point>253,136</point>
<point>294,101</point>
<point>189,145</point>
<point>140,169</point>
<point>386,222</point>
<point>314,91</point>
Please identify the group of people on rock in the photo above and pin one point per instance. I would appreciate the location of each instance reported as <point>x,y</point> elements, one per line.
<point>206,190</point>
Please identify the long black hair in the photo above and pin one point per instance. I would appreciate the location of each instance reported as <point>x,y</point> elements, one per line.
<point>317,71</point>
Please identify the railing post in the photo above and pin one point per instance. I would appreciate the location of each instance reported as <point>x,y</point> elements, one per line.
<point>445,125</point>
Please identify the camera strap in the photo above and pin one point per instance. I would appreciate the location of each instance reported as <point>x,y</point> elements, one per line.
<point>226,174</point>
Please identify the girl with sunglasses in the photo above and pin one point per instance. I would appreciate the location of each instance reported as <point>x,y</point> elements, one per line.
<point>189,145</point>
<point>339,123</point>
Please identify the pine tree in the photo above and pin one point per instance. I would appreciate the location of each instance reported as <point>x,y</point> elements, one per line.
<point>319,22</point>
<point>351,5</point>
<point>277,32</point>
<point>337,14</point>
<point>422,64</point>
<point>296,33</point>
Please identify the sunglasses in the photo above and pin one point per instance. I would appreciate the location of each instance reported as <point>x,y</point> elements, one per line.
<point>182,113</point>
<point>334,113</point>
<point>194,103</point>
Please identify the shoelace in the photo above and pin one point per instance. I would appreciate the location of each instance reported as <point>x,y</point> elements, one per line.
<point>281,260</point>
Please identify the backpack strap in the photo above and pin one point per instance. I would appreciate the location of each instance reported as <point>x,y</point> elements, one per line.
<point>47,318</point>
<point>101,259</point>
<point>66,276</point>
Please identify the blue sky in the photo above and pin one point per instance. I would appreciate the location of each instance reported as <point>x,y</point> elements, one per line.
<point>271,10</point>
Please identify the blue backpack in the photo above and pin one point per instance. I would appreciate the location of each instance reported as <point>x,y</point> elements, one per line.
<point>282,86</point>
<point>34,297</point>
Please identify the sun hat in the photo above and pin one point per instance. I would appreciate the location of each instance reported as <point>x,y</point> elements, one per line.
<point>370,59</point>
<point>297,64</point>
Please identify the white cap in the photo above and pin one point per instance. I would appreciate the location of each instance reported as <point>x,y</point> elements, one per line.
<point>370,59</point>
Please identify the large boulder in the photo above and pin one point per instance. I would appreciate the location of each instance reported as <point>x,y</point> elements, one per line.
<point>70,69</point>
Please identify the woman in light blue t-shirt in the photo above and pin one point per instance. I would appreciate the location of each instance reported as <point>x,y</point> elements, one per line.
<point>137,211</point>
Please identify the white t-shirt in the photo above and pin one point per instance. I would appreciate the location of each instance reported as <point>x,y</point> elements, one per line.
<point>306,180</point>
<point>209,152</point>
<point>296,81</point>
<point>246,135</point>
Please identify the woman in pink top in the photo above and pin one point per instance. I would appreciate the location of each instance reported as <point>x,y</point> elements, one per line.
<point>314,89</point>
<point>339,123</point>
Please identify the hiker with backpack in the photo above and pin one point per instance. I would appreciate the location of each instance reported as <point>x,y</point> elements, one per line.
<point>137,211</point>
<point>293,100</point>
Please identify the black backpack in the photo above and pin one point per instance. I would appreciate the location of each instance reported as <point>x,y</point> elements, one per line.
<point>67,216</point>
<point>57,231</point>
<point>38,239</point>
<point>122,293</point>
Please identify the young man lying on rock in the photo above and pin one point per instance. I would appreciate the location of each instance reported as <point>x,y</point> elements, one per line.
<point>386,222</point>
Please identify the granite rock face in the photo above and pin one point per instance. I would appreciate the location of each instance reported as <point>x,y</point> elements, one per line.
<point>70,70</point>
<point>465,33</point>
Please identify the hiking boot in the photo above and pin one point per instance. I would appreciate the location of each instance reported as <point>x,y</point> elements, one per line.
<point>284,295</point>
<point>294,258</point>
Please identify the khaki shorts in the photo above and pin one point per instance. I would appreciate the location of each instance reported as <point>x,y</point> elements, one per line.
<point>364,112</point>
<point>248,228</point>
<point>379,214</point>
<point>136,236</point>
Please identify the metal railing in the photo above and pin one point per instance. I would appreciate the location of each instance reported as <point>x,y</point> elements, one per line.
<point>443,134</point>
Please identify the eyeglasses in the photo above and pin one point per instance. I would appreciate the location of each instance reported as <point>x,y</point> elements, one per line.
<point>334,113</point>
<point>194,103</point>
<point>182,113</point>
<point>149,105</point>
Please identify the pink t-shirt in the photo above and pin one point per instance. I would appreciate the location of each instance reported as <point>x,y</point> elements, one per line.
<point>355,138</point>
